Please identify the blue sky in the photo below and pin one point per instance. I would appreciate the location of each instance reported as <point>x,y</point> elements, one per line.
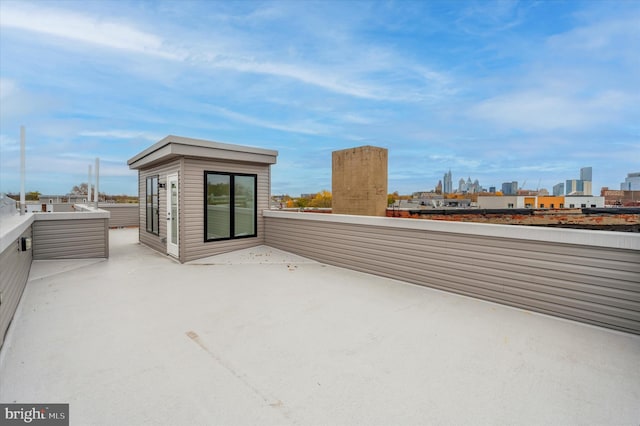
<point>497,91</point>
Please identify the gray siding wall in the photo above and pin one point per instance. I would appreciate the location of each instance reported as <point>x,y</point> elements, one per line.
<point>70,239</point>
<point>122,215</point>
<point>596,285</point>
<point>192,207</point>
<point>63,207</point>
<point>157,242</point>
<point>14,272</point>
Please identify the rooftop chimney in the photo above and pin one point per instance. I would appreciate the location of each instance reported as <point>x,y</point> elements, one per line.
<point>359,181</point>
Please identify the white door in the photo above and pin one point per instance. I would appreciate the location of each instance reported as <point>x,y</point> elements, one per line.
<point>172,216</point>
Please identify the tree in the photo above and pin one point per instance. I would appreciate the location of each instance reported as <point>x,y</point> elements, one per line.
<point>32,196</point>
<point>301,202</point>
<point>392,198</point>
<point>81,189</point>
<point>322,199</point>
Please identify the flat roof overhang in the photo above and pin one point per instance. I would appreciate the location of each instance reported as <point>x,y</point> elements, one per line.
<point>177,146</point>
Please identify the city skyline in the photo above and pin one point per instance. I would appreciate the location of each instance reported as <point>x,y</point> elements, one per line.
<point>500,90</point>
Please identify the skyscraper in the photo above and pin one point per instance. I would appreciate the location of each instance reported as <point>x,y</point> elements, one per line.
<point>447,183</point>
<point>631,182</point>
<point>582,186</point>
<point>558,189</point>
<point>574,187</point>
<point>510,188</point>
<point>462,185</point>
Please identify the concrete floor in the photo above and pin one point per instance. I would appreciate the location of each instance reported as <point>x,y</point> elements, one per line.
<point>266,337</point>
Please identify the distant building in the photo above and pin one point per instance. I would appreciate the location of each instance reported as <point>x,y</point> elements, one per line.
<point>620,198</point>
<point>583,201</point>
<point>462,185</point>
<point>574,187</point>
<point>558,189</point>
<point>550,202</point>
<point>457,202</point>
<point>467,186</point>
<point>631,182</point>
<point>447,183</point>
<point>540,202</point>
<point>492,189</point>
<point>582,186</point>
<point>439,187</point>
<point>506,202</point>
<point>510,188</point>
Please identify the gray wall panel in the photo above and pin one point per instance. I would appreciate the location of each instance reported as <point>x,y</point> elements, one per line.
<point>122,215</point>
<point>14,272</point>
<point>157,242</point>
<point>597,285</point>
<point>192,205</point>
<point>70,239</point>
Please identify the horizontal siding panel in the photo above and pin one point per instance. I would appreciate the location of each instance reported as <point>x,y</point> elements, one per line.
<point>585,283</point>
<point>122,215</point>
<point>192,207</point>
<point>14,273</point>
<point>374,260</point>
<point>564,256</point>
<point>74,233</point>
<point>608,275</point>
<point>157,242</point>
<point>70,239</point>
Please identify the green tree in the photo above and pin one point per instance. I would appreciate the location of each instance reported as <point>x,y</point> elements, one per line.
<point>32,196</point>
<point>392,198</point>
<point>301,202</point>
<point>322,199</point>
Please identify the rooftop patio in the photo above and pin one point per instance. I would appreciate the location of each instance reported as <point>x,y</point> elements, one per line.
<point>263,336</point>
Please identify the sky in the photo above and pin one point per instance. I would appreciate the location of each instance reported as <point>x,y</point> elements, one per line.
<point>493,90</point>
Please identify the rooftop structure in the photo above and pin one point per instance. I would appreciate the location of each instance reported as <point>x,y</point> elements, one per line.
<point>263,336</point>
<point>359,181</point>
<point>199,198</point>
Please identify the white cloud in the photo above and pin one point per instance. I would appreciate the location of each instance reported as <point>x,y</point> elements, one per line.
<point>350,71</point>
<point>330,79</point>
<point>544,110</point>
<point>606,37</point>
<point>121,134</point>
<point>8,144</point>
<point>84,28</point>
<point>16,102</point>
<point>308,127</point>
<point>7,88</point>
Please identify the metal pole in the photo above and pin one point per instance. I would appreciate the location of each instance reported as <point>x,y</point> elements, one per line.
<point>23,203</point>
<point>96,191</point>
<point>89,187</point>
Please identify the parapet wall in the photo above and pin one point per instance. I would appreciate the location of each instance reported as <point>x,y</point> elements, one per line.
<point>588,276</point>
<point>83,234</point>
<point>15,264</point>
<point>122,215</point>
<point>612,219</point>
